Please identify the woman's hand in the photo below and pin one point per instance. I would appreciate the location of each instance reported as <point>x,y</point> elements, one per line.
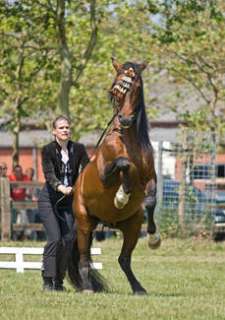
<point>65,190</point>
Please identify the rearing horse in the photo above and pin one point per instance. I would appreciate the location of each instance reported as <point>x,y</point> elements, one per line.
<point>112,187</point>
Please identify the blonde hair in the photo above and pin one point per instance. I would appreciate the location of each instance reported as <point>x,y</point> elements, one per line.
<point>59,118</point>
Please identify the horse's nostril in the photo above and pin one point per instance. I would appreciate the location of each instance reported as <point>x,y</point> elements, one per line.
<point>120,116</point>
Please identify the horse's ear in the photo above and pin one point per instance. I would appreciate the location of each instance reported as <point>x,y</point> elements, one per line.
<point>143,65</point>
<point>116,65</point>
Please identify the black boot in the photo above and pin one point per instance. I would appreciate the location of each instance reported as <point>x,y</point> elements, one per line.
<point>47,283</point>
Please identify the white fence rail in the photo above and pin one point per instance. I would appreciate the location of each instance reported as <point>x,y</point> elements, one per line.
<point>20,265</point>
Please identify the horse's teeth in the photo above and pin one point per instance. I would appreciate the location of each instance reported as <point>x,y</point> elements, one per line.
<point>127,79</point>
<point>121,87</point>
<point>126,85</point>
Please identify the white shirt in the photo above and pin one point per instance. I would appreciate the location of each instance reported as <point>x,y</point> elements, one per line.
<point>65,159</point>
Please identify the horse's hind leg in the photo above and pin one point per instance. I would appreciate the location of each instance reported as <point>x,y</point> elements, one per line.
<point>150,203</point>
<point>85,226</point>
<point>84,244</point>
<point>131,231</point>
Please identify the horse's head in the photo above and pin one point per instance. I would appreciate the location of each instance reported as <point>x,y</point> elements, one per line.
<point>127,83</point>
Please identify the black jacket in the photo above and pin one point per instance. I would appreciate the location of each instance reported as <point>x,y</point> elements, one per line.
<point>53,167</point>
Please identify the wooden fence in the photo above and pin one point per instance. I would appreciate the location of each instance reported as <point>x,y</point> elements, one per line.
<point>20,252</point>
<point>7,206</point>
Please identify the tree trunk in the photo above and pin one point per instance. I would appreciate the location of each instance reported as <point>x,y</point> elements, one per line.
<point>67,80</point>
<point>66,64</point>
<point>16,131</point>
<point>65,83</point>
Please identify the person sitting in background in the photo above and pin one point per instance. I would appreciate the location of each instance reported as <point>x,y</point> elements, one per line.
<point>29,172</point>
<point>3,169</point>
<point>32,194</point>
<point>18,193</point>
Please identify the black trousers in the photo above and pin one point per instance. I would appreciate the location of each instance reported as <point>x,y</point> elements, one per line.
<point>58,222</point>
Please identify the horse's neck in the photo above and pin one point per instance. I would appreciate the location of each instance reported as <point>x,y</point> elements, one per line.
<point>130,137</point>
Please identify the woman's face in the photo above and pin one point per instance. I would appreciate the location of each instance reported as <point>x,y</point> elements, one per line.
<point>62,130</point>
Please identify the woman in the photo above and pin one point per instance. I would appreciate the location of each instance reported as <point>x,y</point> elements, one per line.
<point>62,161</point>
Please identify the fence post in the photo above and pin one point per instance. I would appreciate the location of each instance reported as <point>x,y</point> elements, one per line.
<point>5,209</point>
<point>160,173</point>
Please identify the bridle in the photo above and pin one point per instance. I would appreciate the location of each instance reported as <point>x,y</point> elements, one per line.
<point>125,81</point>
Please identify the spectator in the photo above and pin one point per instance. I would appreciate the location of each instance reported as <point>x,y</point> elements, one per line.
<point>32,193</point>
<point>29,172</point>
<point>18,193</point>
<point>3,169</point>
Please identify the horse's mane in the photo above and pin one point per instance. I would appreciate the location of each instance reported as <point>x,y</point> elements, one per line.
<point>141,117</point>
<point>142,122</point>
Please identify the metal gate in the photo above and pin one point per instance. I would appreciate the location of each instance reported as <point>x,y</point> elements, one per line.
<point>191,183</point>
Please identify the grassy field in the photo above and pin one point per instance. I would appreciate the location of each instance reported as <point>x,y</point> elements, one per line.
<point>185,279</point>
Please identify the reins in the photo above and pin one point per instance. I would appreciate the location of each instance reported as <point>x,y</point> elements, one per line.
<point>105,130</point>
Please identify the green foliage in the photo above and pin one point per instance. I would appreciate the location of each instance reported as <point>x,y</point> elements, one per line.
<point>191,43</point>
<point>23,59</point>
<point>168,222</point>
<point>122,31</point>
<point>184,37</point>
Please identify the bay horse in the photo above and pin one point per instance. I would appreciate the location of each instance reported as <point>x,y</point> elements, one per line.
<point>113,186</point>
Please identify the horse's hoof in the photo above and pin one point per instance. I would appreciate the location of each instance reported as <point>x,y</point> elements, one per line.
<point>154,240</point>
<point>140,293</point>
<point>121,198</point>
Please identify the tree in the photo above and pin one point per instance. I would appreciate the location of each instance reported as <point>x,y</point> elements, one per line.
<point>37,65</point>
<point>73,42</point>
<point>23,57</point>
<point>124,33</point>
<point>191,41</point>
<point>67,20</point>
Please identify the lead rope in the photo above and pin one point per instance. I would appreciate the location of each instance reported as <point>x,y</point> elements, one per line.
<point>98,143</point>
<point>108,124</point>
<point>56,207</point>
<point>105,130</point>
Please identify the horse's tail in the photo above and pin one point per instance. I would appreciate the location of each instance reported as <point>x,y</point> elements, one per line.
<point>97,280</point>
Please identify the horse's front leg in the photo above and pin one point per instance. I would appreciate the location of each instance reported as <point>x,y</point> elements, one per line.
<point>118,170</point>
<point>123,193</point>
<point>150,204</point>
<point>131,231</point>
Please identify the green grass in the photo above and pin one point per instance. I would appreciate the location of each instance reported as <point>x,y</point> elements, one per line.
<point>185,279</point>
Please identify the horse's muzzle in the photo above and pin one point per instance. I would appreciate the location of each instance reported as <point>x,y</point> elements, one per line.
<point>126,121</point>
